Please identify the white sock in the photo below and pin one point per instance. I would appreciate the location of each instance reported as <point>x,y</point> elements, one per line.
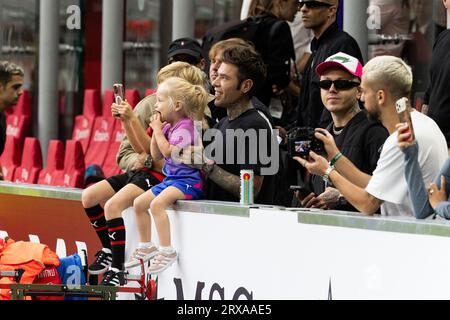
<point>167,249</point>
<point>143,245</point>
<point>106,250</point>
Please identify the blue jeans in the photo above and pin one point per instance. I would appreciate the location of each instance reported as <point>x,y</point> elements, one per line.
<point>418,192</point>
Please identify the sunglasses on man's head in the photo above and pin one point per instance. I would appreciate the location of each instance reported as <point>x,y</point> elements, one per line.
<point>338,84</point>
<point>313,4</point>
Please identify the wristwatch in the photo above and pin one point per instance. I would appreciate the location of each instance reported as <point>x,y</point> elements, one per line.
<point>326,176</point>
<point>148,161</point>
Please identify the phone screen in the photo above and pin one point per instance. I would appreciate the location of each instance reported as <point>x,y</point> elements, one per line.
<point>118,93</point>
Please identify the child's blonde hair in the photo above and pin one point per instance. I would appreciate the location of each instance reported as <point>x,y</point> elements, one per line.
<point>193,97</point>
<point>182,70</point>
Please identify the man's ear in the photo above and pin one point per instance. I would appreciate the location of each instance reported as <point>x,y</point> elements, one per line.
<point>359,92</point>
<point>246,86</point>
<point>381,97</point>
<point>202,64</point>
<point>332,10</point>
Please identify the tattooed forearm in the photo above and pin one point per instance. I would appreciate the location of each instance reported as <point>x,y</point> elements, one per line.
<point>231,182</point>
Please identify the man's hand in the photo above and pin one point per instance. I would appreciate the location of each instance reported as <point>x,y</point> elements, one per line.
<point>436,195</point>
<point>282,133</point>
<point>403,135</point>
<point>330,198</point>
<point>328,141</point>
<point>123,111</point>
<point>327,200</point>
<point>194,157</point>
<point>317,165</point>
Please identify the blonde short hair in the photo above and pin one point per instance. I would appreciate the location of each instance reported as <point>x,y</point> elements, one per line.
<point>391,74</point>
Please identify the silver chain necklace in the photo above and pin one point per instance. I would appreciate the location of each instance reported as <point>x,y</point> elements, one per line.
<point>337,132</point>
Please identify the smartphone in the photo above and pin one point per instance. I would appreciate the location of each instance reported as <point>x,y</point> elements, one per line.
<point>118,96</point>
<point>302,190</point>
<point>118,93</point>
<point>404,109</point>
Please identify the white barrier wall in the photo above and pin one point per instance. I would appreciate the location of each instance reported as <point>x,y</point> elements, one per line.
<point>228,251</point>
<point>269,254</point>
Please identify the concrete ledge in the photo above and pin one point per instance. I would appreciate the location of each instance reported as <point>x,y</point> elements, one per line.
<point>438,227</point>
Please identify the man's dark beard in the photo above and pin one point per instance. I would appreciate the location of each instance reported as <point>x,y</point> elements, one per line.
<point>374,116</point>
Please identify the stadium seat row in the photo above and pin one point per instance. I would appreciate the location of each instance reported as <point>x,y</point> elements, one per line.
<point>95,140</point>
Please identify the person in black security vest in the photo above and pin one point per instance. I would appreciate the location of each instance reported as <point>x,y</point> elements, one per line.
<point>320,17</point>
<point>241,71</point>
<point>11,82</point>
<point>358,138</point>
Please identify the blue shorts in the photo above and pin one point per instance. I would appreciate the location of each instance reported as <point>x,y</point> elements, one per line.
<point>191,188</point>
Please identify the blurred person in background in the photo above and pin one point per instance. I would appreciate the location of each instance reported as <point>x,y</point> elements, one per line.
<point>394,15</point>
<point>437,98</point>
<point>11,82</point>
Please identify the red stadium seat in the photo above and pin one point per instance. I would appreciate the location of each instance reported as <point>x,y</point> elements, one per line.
<point>100,141</point>
<point>92,104</point>
<point>55,162</point>
<point>73,174</point>
<point>108,100</point>
<point>18,126</point>
<point>149,92</point>
<point>110,166</point>
<point>108,150</point>
<point>31,164</point>
<point>11,157</point>
<point>82,129</point>
<point>132,96</point>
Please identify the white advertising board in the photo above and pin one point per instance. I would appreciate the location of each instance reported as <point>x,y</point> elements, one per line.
<point>270,255</point>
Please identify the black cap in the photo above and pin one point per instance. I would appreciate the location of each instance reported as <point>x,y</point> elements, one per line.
<point>185,46</point>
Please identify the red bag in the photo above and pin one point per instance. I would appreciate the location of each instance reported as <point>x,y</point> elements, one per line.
<point>49,275</point>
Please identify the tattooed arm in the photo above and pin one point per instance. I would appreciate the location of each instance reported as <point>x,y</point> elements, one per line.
<point>229,181</point>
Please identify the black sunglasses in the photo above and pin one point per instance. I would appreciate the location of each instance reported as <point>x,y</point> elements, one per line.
<point>338,84</point>
<point>313,4</point>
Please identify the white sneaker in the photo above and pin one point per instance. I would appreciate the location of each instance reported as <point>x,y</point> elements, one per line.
<point>162,261</point>
<point>144,254</point>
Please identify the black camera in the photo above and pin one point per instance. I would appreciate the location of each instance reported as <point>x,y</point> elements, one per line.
<point>302,140</point>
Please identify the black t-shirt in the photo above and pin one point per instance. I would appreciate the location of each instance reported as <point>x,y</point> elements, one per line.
<point>2,132</point>
<point>361,141</point>
<point>311,111</point>
<point>218,113</point>
<point>438,94</point>
<point>247,151</point>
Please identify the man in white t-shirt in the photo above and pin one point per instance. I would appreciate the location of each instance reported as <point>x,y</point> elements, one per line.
<point>385,80</point>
